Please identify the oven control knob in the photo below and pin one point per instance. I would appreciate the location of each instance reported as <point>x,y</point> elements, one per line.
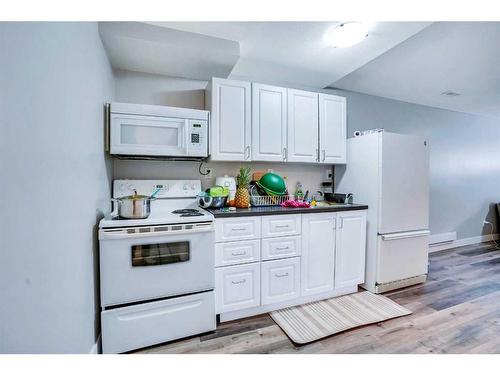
<point>185,187</point>
<point>193,187</point>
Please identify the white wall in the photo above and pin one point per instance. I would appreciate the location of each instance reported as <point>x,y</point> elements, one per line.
<point>133,87</point>
<point>54,79</point>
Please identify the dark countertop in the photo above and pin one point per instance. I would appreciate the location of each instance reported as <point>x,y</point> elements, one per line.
<point>278,210</point>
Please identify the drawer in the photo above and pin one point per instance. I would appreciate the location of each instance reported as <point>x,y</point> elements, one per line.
<point>239,252</point>
<point>237,287</point>
<point>281,225</point>
<point>234,229</point>
<point>145,324</point>
<point>280,280</point>
<point>281,247</point>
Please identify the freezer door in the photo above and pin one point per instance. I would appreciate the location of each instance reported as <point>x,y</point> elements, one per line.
<point>404,183</point>
<point>402,255</point>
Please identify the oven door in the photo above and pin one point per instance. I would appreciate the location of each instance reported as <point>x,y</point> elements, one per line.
<point>148,135</point>
<point>149,264</point>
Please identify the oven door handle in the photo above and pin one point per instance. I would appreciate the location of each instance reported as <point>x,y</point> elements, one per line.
<point>142,232</point>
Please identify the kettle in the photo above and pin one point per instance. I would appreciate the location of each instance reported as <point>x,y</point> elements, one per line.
<point>227,182</point>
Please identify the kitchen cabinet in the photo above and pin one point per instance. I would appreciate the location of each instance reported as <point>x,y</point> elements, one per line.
<point>269,262</point>
<point>332,129</point>
<point>318,253</point>
<point>237,287</point>
<point>230,122</point>
<point>280,280</point>
<point>302,145</point>
<point>350,248</point>
<point>269,122</point>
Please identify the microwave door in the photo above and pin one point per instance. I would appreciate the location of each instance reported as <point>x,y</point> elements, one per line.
<point>148,136</point>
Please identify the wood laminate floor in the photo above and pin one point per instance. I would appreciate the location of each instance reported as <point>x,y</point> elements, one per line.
<point>456,311</point>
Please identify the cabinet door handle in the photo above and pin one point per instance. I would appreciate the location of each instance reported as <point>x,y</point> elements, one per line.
<point>238,254</point>
<point>282,226</point>
<point>282,275</point>
<point>247,153</point>
<point>341,223</point>
<point>282,248</point>
<point>317,154</point>
<point>237,229</point>
<point>283,154</point>
<point>239,282</point>
<point>324,155</point>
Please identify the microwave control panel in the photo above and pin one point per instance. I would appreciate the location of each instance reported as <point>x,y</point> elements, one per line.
<point>198,138</point>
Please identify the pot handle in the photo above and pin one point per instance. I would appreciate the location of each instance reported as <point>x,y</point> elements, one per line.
<point>114,212</point>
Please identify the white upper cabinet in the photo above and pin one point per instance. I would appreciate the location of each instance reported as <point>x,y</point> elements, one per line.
<point>302,145</point>
<point>230,105</point>
<point>350,244</point>
<point>332,129</point>
<point>269,122</point>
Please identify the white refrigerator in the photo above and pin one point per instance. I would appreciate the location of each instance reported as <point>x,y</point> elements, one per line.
<point>390,173</point>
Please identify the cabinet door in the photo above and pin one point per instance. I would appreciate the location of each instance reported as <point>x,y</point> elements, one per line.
<point>268,122</point>
<point>230,106</point>
<point>332,129</point>
<point>350,249</point>
<point>237,287</point>
<point>280,280</point>
<point>302,143</point>
<point>318,253</point>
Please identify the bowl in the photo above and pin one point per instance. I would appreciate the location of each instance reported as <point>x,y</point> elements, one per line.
<point>272,184</point>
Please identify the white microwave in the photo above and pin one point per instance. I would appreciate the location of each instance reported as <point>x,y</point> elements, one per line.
<point>151,131</point>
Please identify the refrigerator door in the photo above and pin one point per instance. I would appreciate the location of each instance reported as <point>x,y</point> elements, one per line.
<point>404,183</point>
<point>402,255</point>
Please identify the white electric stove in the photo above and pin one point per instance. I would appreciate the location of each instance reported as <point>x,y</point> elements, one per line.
<point>157,274</point>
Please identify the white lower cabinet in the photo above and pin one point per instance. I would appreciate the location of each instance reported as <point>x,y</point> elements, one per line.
<point>289,260</point>
<point>350,244</point>
<point>237,287</point>
<point>280,280</point>
<point>318,253</point>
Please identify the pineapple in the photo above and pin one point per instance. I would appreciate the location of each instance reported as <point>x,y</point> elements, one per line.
<point>242,197</point>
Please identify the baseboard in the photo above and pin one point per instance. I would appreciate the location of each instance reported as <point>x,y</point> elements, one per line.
<point>462,242</point>
<point>95,348</point>
<point>441,238</point>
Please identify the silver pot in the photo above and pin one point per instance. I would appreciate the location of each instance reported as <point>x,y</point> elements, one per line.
<point>133,206</point>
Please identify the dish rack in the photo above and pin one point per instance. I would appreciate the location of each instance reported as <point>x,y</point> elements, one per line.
<point>268,200</point>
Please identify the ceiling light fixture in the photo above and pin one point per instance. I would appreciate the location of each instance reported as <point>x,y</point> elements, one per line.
<point>346,34</point>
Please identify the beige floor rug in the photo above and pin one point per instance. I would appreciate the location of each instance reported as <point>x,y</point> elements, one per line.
<point>315,320</point>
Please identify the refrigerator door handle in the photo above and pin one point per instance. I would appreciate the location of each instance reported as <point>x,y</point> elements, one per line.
<point>398,236</point>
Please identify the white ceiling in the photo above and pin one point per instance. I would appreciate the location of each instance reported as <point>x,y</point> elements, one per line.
<point>294,52</point>
<point>146,48</point>
<point>463,57</point>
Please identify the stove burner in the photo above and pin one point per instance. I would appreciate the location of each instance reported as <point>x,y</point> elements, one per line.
<point>186,211</point>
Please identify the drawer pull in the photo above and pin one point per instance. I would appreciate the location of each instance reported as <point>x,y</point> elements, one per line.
<point>239,282</point>
<point>238,254</point>
<point>282,275</point>
<point>282,226</point>
<point>238,229</point>
<point>282,248</point>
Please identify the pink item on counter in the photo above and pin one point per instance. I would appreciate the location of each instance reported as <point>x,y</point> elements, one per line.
<point>291,203</point>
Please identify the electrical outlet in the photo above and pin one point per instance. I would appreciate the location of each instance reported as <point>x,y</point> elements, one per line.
<point>328,174</point>
<point>207,172</point>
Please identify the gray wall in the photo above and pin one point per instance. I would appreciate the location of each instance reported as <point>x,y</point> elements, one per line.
<point>464,170</point>
<point>464,158</point>
<point>54,79</point>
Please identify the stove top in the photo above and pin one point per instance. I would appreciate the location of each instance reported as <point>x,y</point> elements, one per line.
<point>174,207</point>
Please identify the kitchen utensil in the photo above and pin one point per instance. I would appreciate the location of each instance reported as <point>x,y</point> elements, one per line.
<point>157,190</point>
<point>205,200</point>
<point>273,184</point>
<point>261,199</point>
<point>133,206</point>
<point>229,183</point>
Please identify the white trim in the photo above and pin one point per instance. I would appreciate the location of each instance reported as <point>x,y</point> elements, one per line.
<point>95,348</point>
<point>442,237</point>
<point>462,242</point>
